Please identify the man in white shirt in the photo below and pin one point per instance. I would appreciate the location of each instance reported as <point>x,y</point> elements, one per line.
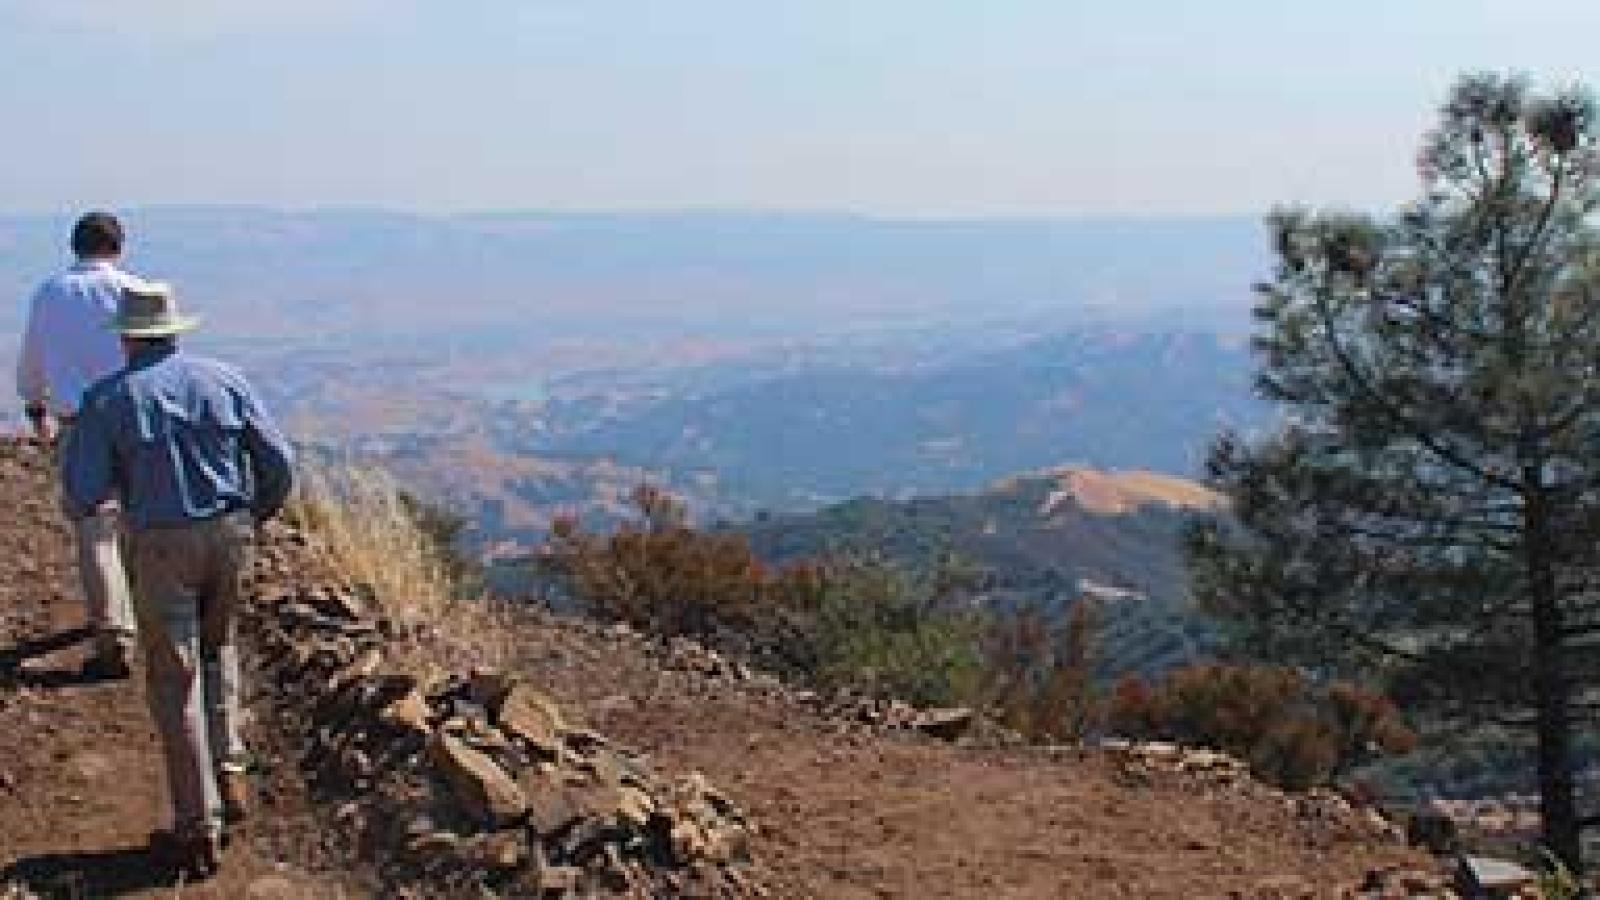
<point>67,346</point>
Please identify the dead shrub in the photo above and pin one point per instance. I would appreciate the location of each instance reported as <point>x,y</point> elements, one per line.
<point>1293,732</point>
<point>367,531</point>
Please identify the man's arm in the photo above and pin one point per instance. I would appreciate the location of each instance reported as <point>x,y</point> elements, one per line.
<point>87,462</point>
<point>271,458</point>
<point>31,384</point>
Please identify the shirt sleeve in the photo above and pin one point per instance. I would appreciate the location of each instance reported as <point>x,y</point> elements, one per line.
<point>271,458</point>
<point>87,463</point>
<point>30,360</point>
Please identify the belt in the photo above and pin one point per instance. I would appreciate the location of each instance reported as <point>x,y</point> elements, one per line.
<point>218,516</point>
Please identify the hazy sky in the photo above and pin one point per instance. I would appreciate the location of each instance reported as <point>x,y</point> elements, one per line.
<point>919,107</point>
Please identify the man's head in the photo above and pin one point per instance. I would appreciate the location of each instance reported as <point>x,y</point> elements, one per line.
<point>148,314</point>
<point>98,235</point>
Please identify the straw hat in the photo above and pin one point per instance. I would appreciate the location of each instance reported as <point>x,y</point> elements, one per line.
<point>150,309</point>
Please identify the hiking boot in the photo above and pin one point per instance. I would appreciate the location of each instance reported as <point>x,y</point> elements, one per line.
<point>109,663</point>
<point>234,787</point>
<point>195,856</point>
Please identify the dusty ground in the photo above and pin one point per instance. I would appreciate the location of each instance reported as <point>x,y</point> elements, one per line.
<point>81,785</point>
<point>847,813</point>
<point>842,812</point>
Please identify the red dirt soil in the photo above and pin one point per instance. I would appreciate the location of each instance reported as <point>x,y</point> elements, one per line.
<point>847,813</point>
<point>81,780</point>
<point>842,812</point>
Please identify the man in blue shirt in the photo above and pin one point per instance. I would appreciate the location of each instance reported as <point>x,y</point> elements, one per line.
<point>186,447</point>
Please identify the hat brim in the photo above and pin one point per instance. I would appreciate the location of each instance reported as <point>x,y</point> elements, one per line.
<point>175,325</point>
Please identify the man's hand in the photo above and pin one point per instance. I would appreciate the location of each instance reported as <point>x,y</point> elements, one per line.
<point>40,420</point>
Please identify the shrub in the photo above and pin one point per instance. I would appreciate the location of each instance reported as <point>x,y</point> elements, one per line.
<point>369,532</point>
<point>850,621</point>
<point>1039,672</point>
<point>1292,731</point>
<point>891,632</point>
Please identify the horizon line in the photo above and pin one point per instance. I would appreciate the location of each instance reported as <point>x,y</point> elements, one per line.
<point>674,212</point>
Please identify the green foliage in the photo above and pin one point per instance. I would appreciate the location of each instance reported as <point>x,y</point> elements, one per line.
<point>1556,880</point>
<point>662,575</point>
<point>877,627</point>
<point>852,621</point>
<point>1039,672</point>
<point>1292,732</point>
<point>848,622</point>
<point>1428,515</point>
<point>1028,560</point>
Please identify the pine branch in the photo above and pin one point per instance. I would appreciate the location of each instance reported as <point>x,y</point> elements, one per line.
<point>1414,430</point>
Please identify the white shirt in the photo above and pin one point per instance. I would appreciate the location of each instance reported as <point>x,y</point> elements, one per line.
<point>68,343</point>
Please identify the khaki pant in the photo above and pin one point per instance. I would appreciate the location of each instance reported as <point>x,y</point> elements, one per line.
<point>107,606</point>
<point>188,584</point>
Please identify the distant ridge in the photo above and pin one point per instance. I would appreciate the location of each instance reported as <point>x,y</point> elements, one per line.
<point>790,273</point>
<point>1120,492</point>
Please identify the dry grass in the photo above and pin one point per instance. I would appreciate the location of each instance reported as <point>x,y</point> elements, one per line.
<point>363,531</point>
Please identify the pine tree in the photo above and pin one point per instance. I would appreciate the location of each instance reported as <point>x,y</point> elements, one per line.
<point>1429,513</point>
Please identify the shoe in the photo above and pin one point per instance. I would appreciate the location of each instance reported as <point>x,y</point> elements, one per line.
<point>108,664</point>
<point>234,786</point>
<point>197,857</point>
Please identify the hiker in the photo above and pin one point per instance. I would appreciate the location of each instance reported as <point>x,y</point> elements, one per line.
<point>196,462</point>
<point>66,347</point>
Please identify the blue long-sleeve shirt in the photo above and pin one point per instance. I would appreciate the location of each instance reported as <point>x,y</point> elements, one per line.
<point>177,439</point>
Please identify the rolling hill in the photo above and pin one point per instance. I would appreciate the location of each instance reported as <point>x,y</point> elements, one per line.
<point>1046,539</point>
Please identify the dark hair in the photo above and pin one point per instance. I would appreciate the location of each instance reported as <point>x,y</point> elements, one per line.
<point>162,340</point>
<point>97,234</point>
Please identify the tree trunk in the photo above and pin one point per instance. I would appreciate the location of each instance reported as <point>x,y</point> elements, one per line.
<point>1557,786</point>
<point>1552,695</point>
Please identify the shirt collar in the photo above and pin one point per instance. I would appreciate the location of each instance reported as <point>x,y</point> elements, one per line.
<point>94,264</point>
<point>149,356</point>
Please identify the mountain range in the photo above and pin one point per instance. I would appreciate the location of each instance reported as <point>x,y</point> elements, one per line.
<point>505,278</point>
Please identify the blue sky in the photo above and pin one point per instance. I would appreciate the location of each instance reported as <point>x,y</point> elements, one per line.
<point>892,107</point>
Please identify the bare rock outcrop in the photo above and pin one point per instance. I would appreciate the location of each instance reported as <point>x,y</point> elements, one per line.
<point>466,781</point>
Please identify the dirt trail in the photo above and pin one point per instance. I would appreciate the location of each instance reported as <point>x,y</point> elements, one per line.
<point>81,782</point>
<point>848,813</point>
<point>842,812</point>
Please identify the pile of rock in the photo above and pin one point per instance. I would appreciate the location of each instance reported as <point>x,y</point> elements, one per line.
<point>1350,820</point>
<point>1401,882</point>
<point>1509,817</point>
<point>1136,760</point>
<point>1333,815</point>
<point>1474,876</point>
<point>687,655</point>
<point>877,714</point>
<point>475,780</point>
<point>887,715</point>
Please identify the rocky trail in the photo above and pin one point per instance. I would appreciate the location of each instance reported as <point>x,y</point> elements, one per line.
<point>597,761</point>
<point>81,782</point>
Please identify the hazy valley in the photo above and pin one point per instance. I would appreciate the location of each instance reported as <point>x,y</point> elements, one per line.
<point>519,366</point>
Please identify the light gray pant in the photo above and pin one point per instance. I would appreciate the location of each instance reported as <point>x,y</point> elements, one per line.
<point>107,605</point>
<point>188,584</point>
<point>108,609</point>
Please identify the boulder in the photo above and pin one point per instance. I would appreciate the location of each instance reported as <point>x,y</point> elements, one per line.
<point>945,724</point>
<point>409,713</point>
<point>634,807</point>
<point>336,602</point>
<point>481,786</point>
<point>530,715</point>
<point>502,851</point>
<point>1483,876</point>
